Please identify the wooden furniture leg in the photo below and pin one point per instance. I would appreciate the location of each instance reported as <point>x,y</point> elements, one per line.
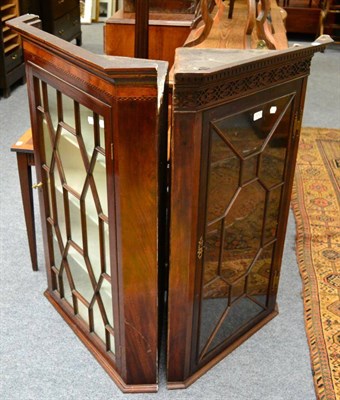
<point>25,159</point>
<point>25,177</point>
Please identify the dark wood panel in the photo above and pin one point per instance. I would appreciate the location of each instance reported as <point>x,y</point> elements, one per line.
<point>303,20</point>
<point>29,7</point>
<point>67,26</point>
<point>61,18</point>
<point>165,35</point>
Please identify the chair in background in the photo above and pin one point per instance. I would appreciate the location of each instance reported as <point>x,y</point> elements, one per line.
<point>330,19</point>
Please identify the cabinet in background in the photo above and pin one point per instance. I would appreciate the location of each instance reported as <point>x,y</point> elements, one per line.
<point>61,18</point>
<point>11,59</point>
<point>303,16</point>
<point>29,6</point>
<point>169,27</point>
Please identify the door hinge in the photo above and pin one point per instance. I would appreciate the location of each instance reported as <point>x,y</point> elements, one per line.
<point>297,123</point>
<point>200,248</point>
<point>111,148</point>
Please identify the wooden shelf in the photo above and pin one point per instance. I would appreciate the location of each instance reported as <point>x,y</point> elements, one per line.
<point>7,17</point>
<point>12,47</point>
<point>7,7</point>
<point>11,68</point>
<point>11,36</point>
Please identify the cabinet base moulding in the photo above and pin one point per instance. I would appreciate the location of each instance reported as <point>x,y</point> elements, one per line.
<point>113,374</point>
<point>193,378</point>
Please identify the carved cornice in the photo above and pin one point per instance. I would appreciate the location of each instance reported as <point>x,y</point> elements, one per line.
<point>135,98</point>
<point>201,90</point>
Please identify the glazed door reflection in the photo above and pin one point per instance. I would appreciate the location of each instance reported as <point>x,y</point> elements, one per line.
<point>242,181</point>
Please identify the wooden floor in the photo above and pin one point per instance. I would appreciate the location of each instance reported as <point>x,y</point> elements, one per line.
<point>229,33</point>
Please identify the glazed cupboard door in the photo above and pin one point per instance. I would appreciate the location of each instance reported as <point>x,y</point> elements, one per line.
<point>245,147</point>
<point>74,158</point>
<point>234,144</point>
<point>99,151</point>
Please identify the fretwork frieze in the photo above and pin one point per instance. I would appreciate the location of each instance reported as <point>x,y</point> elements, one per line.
<point>217,89</point>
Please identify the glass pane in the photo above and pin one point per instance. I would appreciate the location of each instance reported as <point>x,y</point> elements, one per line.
<point>259,275</point>
<point>102,132</point>
<point>105,293</point>
<point>248,131</point>
<point>83,312</point>
<point>273,157</point>
<point>239,130</point>
<point>92,230</point>
<point>79,273</point>
<point>56,251</point>
<point>47,143</point>
<point>243,228</point>
<point>107,268</point>
<point>241,313</point>
<point>215,291</point>
<point>55,280</point>
<point>112,343</point>
<point>99,327</point>
<point>211,255</point>
<point>238,289</point>
<point>67,294</point>
<point>52,106</point>
<point>75,220</point>
<point>90,205</point>
<point>48,180</point>
<point>87,128</point>
<point>93,244</point>
<point>99,174</point>
<point>74,169</point>
<point>272,166</point>
<point>272,214</point>
<point>59,199</point>
<point>249,169</point>
<point>211,312</point>
<point>223,177</point>
<point>68,111</point>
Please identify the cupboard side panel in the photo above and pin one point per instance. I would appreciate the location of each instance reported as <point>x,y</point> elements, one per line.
<point>136,156</point>
<point>185,169</point>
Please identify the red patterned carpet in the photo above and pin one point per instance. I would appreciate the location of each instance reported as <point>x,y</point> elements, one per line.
<point>316,204</point>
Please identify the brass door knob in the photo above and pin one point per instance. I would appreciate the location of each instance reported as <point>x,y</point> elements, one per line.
<point>37,185</point>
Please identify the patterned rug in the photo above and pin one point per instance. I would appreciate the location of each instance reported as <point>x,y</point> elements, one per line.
<point>316,204</point>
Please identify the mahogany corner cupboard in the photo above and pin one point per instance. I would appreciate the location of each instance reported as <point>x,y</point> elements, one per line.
<point>127,223</point>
